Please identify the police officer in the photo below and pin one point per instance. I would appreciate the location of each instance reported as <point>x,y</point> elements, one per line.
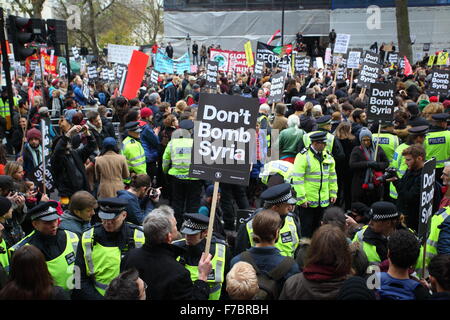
<point>385,220</point>
<point>176,161</point>
<point>195,229</point>
<point>437,143</point>
<point>416,136</point>
<point>315,182</point>
<point>387,141</point>
<point>103,246</point>
<point>278,198</point>
<point>333,145</point>
<point>133,151</point>
<point>276,172</point>
<point>5,214</point>
<point>58,246</point>
<point>5,112</point>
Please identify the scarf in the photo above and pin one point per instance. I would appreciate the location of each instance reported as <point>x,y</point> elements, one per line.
<point>35,153</point>
<point>315,272</point>
<point>99,130</point>
<point>369,155</point>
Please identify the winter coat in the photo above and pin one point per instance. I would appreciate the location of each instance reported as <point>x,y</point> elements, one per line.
<point>30,162</point>
<point>99,134</point>
<point>69,173</point>
<point>169,279</point>
<point>71,222</point>
<point>308,123</point>
<point>110,170</point>
<point>443,246</point>
<point>170,94</point>
<point>359,165</point>
<point>108,127</point>
<point>150,143</point>
<point>137,209</point>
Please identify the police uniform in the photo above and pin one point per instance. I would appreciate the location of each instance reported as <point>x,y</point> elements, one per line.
<point>277,167</point>
<point>333,147</point>
<point>398,161</point>
<point>59,250</point>
<point>374,244</point>
<point>387,141</point>
<point>101,252</point>
<point>5,206</point>
<point>176,162</point>
<point>315,182</point>
<point>133,151</point>
<point>437,144</point>
<point>195,223</point>
<point>289,237</point>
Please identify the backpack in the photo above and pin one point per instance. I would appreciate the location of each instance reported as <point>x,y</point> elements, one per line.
<point>395,289</point>
<point>268,281</point>
<point>102,98</point>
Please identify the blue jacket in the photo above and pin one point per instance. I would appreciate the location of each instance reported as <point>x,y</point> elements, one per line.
<point>443,246</point>
<point>70,222</point>
<point>137,209</point>
<point>150,143</point>
<point>79,96</point>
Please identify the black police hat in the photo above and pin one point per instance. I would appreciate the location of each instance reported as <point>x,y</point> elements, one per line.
<point>186,124</point>
<point>133,126</point>
<point>418,131</point>
<point>194,223</point>
<point>383,210</point>
<point>111,207</point>
<point>324,120</point>
<point>45,211</point>
<point>440,116</point>
<point>319,136</point>
<point>278,194</point>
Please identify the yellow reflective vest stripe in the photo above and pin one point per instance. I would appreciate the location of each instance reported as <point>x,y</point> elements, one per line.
<point>283,168</point>
<point>135,155</point>
<point>437,145</point>
<point>388,142</point>
<point>177,158</point>
<point>398,162</point>
<point>4,258</point>
<point>369,249</point>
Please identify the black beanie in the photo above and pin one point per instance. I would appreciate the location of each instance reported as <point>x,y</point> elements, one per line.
<point>355,288</point>
<point>5,205</point>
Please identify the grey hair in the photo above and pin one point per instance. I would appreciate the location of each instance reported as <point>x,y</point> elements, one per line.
<point>157,225</point>
<point>153,97</point>
<point>293,121</point>
<point>165,209</point>
<point>264,107</point>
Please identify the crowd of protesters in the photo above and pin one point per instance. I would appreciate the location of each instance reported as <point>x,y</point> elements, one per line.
<point>126,213</point>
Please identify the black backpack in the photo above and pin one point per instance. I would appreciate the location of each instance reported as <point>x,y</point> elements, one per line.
<point>268,281</point>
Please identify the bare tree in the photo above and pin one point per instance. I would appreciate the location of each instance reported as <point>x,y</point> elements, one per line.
<point>32,8</point>
<point>150,13</point>
<point>403,34</point>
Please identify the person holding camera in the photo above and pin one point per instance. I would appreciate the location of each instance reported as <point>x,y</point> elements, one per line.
<point>141,198</point>
<point>366,187</point>
<point>409,186</point>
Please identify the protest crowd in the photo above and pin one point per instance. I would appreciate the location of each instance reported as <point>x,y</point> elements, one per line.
<point>333,210</point>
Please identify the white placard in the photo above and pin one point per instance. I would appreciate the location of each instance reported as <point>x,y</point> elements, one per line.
<point>342,42</point>
<point>328,56</point>
<point>120,54</point>
<point>353,60</point>
<point>319,63</point>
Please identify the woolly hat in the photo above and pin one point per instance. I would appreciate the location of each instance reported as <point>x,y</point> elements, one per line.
<point>34,133</point>
<point>434,99</point>
<point>146,112</point>
<point>68,114</point>
<point>5,205</point>
<point>355,288</point>
<point>422,104</point>
<point>364,133</point>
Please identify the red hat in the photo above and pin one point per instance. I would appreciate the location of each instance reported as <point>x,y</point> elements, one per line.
<point>34,133</point>
<point>146,112</point>
<point>446,104</point>
<point>434,99</point>
<point>55,82</point>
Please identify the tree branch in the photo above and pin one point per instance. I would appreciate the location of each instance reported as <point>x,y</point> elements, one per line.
<point>23,8</point>
<point>102,10</point>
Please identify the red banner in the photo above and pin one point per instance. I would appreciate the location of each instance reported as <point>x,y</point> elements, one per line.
<point>234,61</point>
<point>49,67</point>
<point>136,70</point>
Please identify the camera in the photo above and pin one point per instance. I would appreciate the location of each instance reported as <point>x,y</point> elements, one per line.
<point>388,174</point>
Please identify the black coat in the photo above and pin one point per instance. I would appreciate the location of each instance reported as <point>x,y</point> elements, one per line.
<point>359,165</point>
<point>166,278</point>
<point>65,165</point>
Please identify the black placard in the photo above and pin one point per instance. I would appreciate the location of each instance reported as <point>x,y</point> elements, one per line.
<point>224,138</point>
<point>440,80</point>
<point>381,103</point>
<point>426,197</point>
<point>302,64</point>
<point>154,77</point>
<point>268,54</point>
<point>277,88</point>
<point>212,69</point>
<point>37,177</point>
<point>369,74</point>
<point>259,68</point>
<point>393,57</point>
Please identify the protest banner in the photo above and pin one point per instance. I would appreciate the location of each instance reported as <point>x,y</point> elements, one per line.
<point>381,103</point>
<point>319,63</point>
<point>76,53</point>
<point>393,57</point>
<point>341,72</point>
<point>230,61</point>
<point>370,71</point>
<point>328,56</point>
<point>249,54</point>
<point>154,77</point>
<point>163,64</point>
<point>212,71</point>
<point>442,58</point>
<point>342,42</point>
<point>277,89</point>
<point>302,65</point>
<point>431,60</point>
<point>120,54</point>
<point>353,59</point>
<point>92,72</point>
<point>136,70</point>
<point>426,47</point>
<point>440,81</point>
<point>111,75</point>
<point>44,182</point>
<point>49,66</point>
<point>182,64</point>
<point>284,65</point>
<point>105,74</point>
<point>259,68</point>
<point>269,54</point>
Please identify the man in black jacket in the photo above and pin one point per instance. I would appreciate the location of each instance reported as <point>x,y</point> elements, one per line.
<point>169,51</point>
<point>67,165</point>
<point>157,264</point>
<point>96,128</point>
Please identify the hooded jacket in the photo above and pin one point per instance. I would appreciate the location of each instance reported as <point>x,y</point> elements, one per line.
<point>150,143</point>
<point>71,222</point>
<point>137,209</point>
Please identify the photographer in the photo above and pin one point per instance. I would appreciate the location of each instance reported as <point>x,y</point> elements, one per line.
<point>408,187</point>
<point>141,198</point>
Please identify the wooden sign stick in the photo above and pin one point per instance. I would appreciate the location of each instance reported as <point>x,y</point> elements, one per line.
<point>378,137</point>
<point>212,215</point>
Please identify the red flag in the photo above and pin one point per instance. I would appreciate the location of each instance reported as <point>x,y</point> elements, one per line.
<point>288,49</point>
<point>136,70</point>
<point>408,68</point>
<point>276,35</point>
